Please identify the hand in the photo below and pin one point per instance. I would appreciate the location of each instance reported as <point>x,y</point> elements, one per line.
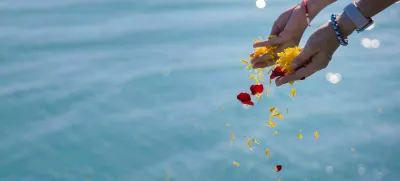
<point>318,51</point>
<point>289,27</point>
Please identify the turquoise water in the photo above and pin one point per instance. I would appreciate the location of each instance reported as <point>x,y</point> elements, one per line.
<point>128,90</point>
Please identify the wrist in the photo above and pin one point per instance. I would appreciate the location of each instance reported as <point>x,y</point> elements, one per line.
<point>346,26</point>
<point>315,6</point>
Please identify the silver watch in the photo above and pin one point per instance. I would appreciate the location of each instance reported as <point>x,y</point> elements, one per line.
<point>359,20</point>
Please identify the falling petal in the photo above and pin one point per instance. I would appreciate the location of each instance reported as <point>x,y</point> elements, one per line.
<point>256,89</point>
<point>300,135</point>
<point>232,135</point>
<point>272,109</point>
<point>280,116</point>
<point>271,124</point>
<point>353,149</point>
<point>276,132</point>
<point>249,66</point>
<point>252,76</point>
<point>244,61</point>
<point>279,179</point>
<point>259,97</point>
<point>227,124</point>
<point>292,93</point>
<point>256,141</point>
<point>316,135</point>
<point>223,109</point>
<point>249,143</point>
<point>266,152</point>
<point>236,164</point>
<point>278,168</point>
<point>243,97</point>
<point>231,142</point>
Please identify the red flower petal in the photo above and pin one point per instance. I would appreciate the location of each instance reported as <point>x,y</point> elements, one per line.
<point>256,89</point>
<point>277,72</point>
<point>244,97</point>
<point>248,103</point>
<point>278,168</point>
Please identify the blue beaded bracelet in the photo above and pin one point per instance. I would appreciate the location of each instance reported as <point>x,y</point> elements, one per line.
<point>335,26</point>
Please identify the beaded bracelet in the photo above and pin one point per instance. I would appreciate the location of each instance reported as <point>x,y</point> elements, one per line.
<point>335,26</point>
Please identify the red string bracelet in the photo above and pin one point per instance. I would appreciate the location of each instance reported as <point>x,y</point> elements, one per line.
<point>307,16</point>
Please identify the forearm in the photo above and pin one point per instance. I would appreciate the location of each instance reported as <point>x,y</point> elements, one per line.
<point>315,6</point>
<point>368,8</point>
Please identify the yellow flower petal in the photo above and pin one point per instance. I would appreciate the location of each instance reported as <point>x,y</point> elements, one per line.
<point>316,135</point>
<point>293,93</point>
<point>272,109</point>
<point>252,76</point>
<point>249,66</point>
<point>300,135</point>
<point>227,124</point>
<point>248,143</point>
<point>280,116</point>
<point>271,124</point>
<point>236,164</point>
<point>232,135</point>
<point>266,152</point>
<point>244,61</point>
<point>286,57</point>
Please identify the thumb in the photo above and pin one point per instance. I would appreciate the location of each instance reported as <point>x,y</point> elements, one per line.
<point>304,56</point>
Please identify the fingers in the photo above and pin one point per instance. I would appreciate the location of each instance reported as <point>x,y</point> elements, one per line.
<point>263,58</point>
<point>275,29</point>
<point>299,74</point>
<point>319,61</point>
<point>272,42</point>
<point>303,57</point>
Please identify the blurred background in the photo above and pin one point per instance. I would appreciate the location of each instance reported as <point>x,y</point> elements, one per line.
<point>129,90</point>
